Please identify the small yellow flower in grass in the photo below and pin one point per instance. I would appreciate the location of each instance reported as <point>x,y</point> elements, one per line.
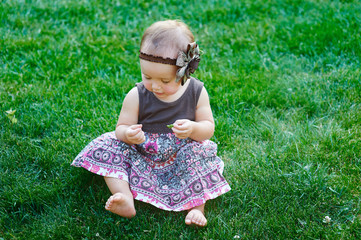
<point>327,219</point>
<point>11,115</point>
<point>236,236</point>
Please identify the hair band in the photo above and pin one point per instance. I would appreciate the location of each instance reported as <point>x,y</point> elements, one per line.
<point>157,59</point>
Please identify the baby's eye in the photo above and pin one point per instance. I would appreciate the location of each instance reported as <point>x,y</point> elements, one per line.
<point>146,77</point>
<point>165,81</point>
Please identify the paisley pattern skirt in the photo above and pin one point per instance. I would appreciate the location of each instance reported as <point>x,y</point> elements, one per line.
<point>170,173</point>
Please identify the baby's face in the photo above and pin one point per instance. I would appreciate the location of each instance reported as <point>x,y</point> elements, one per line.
<point>159,79</point>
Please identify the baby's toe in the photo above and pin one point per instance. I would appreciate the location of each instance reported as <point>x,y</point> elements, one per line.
<point>189,218</point>
<point>195,219</point>
<point>200,221</point>
<point>203,222</point>
<point>108,204</point>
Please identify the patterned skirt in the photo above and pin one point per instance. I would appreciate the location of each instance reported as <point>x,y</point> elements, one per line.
<point>170,173</point>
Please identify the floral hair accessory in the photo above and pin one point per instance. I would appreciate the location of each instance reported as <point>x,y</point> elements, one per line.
<point>187,61</point>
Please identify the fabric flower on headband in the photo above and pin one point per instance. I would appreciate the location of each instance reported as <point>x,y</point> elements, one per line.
<point>188,62</point>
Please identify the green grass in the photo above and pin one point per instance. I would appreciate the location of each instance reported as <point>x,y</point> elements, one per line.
<point>284,81</point>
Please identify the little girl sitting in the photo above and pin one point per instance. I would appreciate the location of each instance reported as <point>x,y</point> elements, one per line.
<point>160,152</point>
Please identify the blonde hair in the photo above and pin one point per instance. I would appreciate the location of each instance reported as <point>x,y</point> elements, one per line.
<point>166,38</point>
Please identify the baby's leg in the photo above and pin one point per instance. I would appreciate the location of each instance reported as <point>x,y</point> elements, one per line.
<point>121,202</point>
<point>196,216</point>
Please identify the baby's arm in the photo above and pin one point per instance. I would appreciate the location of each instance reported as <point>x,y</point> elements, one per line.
<point>127,129</point>
<point>203,126</point>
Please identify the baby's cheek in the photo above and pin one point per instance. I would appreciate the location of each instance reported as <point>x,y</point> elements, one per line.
<point>147,86</point>
<point>170,90</point>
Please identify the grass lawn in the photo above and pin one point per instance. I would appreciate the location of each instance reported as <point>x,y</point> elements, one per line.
<point>284,81</point>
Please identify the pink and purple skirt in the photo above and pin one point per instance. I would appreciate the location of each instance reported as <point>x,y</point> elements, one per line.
<point>170,173</point>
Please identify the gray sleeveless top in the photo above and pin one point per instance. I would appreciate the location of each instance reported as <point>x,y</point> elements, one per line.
<point>155,114</point>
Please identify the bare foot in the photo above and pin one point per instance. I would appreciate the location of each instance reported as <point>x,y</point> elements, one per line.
<point>121,204</point>
<point>196,216</point>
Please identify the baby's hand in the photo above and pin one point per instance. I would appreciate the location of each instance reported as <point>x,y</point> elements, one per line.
<point>134,134</point>
<point>183,128</point>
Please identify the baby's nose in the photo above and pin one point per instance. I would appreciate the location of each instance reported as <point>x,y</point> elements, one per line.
<point>155,86</point>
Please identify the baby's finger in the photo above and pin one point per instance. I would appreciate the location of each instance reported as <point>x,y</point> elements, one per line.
<point>181,136</point>
<point>181,121</point>
<point>140,136</point>
<point>182,124</point>
<point>136,126</point>
<point>133,132</point>
<point>140,140</point>
<point>180,133</point>
<point>179,127</point>
<point>178,122</point>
